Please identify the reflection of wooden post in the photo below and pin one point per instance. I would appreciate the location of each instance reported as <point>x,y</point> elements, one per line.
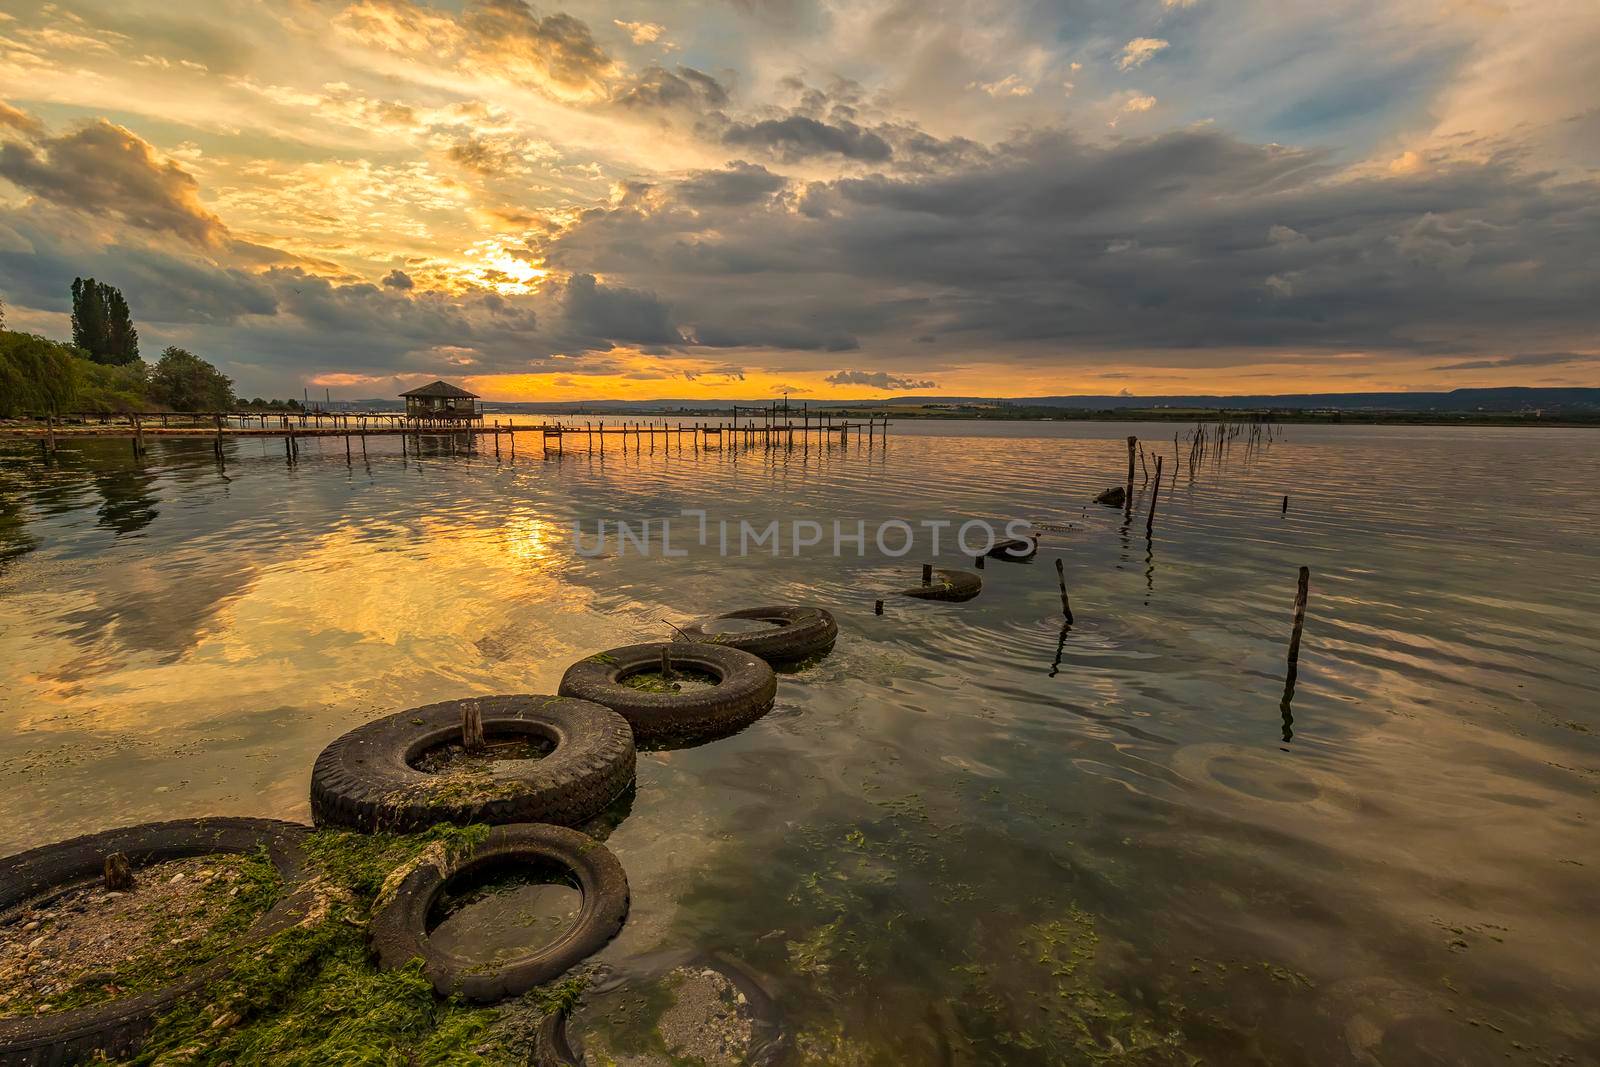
<point>1066,604</point>
<point>472,727</point>
<point>118,873</point>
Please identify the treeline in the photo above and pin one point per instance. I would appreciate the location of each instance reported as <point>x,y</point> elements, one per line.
<point>100,371</point>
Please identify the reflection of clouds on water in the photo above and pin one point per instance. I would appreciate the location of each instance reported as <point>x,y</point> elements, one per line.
<point>1132,766</point>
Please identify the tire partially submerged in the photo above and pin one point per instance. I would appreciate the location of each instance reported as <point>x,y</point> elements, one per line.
<point>558,1044</point>
<point>743,692</point>
<point>116,1028</point>
<point>400,932</point>
<point>795,632</point>
<point>949,585</point>
<point>368,779</point>
<point>1015,549</point>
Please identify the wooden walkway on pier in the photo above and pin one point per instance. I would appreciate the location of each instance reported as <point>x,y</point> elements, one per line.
<point>220,426</point>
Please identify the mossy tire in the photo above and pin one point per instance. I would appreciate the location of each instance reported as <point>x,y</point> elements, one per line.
<point>799,632</point>
<point>366,780</point>
<point>115,1029</point>
<point>555,1045</point>
<point>949,585</point>
<point>744,691</point>
<point>399,930</point>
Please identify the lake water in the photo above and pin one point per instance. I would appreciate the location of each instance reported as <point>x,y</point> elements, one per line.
<point>969,835</point>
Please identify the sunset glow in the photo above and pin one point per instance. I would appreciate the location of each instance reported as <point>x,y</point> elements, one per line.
<point>867,200</point>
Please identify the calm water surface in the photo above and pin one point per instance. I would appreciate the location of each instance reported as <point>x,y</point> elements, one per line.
<point>970,835</point>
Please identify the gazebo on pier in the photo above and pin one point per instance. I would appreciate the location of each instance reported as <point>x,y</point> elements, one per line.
<point>441,401</point>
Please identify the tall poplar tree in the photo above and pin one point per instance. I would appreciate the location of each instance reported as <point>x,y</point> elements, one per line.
<point>102,325</point>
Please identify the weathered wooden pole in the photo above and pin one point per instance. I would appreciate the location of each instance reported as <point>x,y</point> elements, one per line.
<point>118,873</point>
<point>1285,506</point>
<point>877,607</point>
<point>1066,603</point>
<point>666,664</point>
<point>1133,443</point>
<point>472,738</point>
<point>1155,494</point>
<point>1294,643</point>
<point>927,574</point>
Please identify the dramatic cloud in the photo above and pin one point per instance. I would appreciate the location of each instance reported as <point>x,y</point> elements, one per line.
<point>105,168</point>
<point>798,138</point>
<point>990,196</point>
<point>879,380</point>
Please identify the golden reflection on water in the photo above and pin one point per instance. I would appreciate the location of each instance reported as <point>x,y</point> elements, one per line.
<point>173,645</point>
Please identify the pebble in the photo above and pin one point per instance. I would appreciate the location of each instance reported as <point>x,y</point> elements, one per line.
<point>30,927</point>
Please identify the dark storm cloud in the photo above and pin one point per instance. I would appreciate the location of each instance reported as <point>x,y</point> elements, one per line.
<point>617,314</point>
<point>800,137</point>
<point>508,36</point>
<point>1190,240</point>
<point>1529,359</point>
<point>879,380</point>
<point>398,279</point>
<point>737,184</point>
<point>657,87</point>
<point>102,167</point>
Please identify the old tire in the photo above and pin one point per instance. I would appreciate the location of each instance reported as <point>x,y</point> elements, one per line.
<point>745,688</point>
<point>399,930</point>
<point>949,585</point>
<point>116,1028</point>
<point>555,1044</point>
<point>800,632</point>
<point>366,779</point>
<point>1015,549</point>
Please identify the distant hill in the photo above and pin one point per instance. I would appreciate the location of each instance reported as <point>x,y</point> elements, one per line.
<point>1511,399</point>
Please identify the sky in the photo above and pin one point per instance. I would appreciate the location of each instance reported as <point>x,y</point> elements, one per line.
<point>742,198</point>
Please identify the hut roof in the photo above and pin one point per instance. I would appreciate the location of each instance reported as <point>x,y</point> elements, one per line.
<point>444,389</point>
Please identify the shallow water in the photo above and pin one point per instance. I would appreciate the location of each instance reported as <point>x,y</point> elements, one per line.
<point>969,834</point>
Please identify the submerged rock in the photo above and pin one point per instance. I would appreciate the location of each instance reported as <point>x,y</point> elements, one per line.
<point>1114,497</point>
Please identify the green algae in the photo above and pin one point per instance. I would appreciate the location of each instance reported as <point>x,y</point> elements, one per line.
<point>312,994</point>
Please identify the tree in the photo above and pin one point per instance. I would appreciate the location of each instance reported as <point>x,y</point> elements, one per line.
<point>37,376</point>
<point>102,324</point>
<point>185,382</point>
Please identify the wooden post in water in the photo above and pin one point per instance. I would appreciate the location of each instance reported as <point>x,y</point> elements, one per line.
<point>1066,604</point>
<point>138,435</point>
<point>877,607</point>
<point>1285,506</point>
<point>118,873</point>
<point>1294,646</point>
<point>927,574</point>
<point>1155,494</point>
<point>666,664</point>
<point>1133,443</point>
<point>977,561</point>
<point>472,727</point>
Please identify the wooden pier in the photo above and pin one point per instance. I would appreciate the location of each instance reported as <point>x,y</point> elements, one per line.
<point>774,427</point>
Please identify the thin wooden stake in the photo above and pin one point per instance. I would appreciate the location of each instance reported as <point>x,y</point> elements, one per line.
<point>1066,603</point>
<point>877,607</point>
<point>472,727</point>
<point>666,664</point>
<point>1155,493</point>
<point>1285,506</point>
<point>927,574</point>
